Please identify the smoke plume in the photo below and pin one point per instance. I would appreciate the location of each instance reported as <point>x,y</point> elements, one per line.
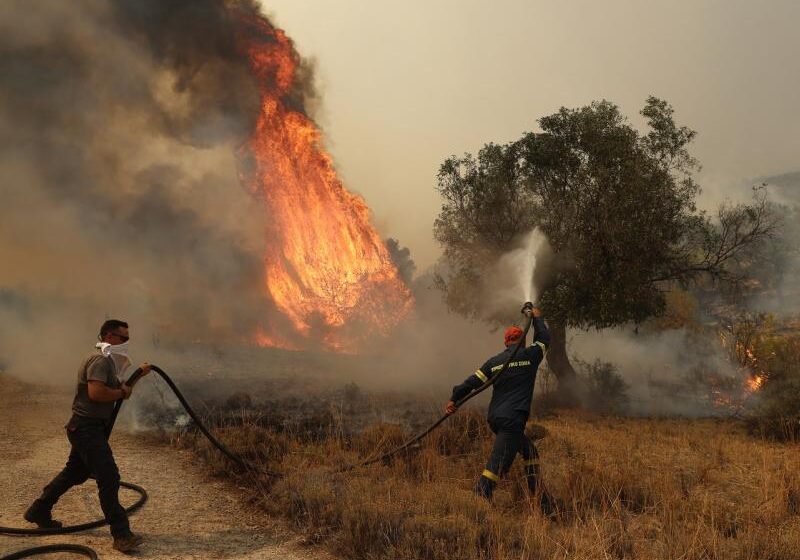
<point>119,125</point>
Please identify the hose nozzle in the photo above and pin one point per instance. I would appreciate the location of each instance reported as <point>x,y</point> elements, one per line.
<point>528,306</point>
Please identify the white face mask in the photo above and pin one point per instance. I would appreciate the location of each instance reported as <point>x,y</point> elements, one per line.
<point>118,354</point>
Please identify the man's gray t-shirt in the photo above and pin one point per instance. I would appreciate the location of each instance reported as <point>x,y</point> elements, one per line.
<point>95,367</point>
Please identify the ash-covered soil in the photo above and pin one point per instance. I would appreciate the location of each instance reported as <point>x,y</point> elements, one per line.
<point>189,515</point>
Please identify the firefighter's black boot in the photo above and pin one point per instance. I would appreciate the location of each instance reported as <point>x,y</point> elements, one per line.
<point>547,504</point>
<point>485,485</point>
<point>41,516</point>
<point>532,475</point>
<point>534,487</point>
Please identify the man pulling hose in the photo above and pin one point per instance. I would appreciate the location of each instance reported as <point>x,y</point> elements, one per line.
<point>510,407</point>
<point>98,388</point>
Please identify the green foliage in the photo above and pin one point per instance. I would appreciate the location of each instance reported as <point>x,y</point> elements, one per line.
<point>767,353</point>
<point>487,207</point>
<point>617,206</point>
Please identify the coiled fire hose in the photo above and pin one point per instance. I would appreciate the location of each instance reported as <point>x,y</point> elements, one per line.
<point>88,552</point>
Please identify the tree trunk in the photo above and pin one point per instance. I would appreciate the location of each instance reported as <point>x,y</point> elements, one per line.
<point>558,361</point>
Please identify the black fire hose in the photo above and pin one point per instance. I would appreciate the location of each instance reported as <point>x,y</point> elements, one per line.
<point>405,445</point>
<point>214,441</point>
<point>50,549</point>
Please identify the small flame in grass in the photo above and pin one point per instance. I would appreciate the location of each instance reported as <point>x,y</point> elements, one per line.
<point>748,367</point>
<point>754,383</point>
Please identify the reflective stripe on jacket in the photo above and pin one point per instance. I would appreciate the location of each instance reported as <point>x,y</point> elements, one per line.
<point>512,393</point>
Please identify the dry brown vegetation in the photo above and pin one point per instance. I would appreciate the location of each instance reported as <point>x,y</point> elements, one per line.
<point>627,488</point>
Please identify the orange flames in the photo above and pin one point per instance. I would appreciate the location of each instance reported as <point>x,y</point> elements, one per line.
<point>753,384</point>
<point>748,365</point>
<point>326,268</point>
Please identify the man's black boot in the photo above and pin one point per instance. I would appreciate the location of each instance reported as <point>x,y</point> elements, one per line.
<point>128,543</point>
<point>546,502</point>
<point>548,505</point>
<point>41,516</point>
<point>485,485</point>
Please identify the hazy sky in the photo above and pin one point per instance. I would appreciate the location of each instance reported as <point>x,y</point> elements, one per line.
<point>406,84</point>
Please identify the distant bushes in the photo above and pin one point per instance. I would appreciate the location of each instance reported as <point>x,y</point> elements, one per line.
<point>601,389</point>
<point>606,390</point>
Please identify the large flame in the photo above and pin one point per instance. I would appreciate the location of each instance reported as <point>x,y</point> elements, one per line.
<point>326,268</point>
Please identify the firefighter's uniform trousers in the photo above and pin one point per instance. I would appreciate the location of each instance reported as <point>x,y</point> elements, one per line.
<point>510,440</point>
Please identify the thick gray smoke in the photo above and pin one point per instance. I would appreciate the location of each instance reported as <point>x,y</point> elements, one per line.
<point>119,125</point>
<point>784,267</point>
<point>666,372</point>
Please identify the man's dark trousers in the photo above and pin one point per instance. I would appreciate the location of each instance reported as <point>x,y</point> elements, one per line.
<point>90,456</point>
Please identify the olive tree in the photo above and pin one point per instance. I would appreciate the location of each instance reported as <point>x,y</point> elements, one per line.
<point>617,206</point>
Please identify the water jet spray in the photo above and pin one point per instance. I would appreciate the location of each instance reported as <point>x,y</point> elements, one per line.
<point>515,271</point>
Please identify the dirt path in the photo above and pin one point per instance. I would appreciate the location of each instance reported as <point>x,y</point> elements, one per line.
<point>188,515</point>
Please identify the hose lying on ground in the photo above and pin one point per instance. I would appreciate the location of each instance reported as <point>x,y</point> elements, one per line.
<point>420,436</point>
<point>50,549</point>
<point>225,451</point>
<point>31,532</point>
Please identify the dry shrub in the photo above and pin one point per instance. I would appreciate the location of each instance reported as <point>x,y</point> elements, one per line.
<point>377,437</point>
<point>308,498</point>
<point>460,434</point>
<point>429,537</point>
<point>371,528</point>
<point>254,444</point>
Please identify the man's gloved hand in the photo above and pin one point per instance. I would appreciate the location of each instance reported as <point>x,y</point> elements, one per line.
<point>450,407</point>
<point>530,311</point>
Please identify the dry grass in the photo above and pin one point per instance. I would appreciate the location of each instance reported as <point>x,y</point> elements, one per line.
<point>628,488</point>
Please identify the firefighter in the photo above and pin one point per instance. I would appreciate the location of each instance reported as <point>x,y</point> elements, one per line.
<point>510,406</point>
<point>98,388</point>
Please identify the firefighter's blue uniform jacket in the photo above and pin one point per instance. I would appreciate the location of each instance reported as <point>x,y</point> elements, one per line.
<point>510,406</point>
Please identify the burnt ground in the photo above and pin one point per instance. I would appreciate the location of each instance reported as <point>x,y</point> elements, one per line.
<point>188,515</point>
